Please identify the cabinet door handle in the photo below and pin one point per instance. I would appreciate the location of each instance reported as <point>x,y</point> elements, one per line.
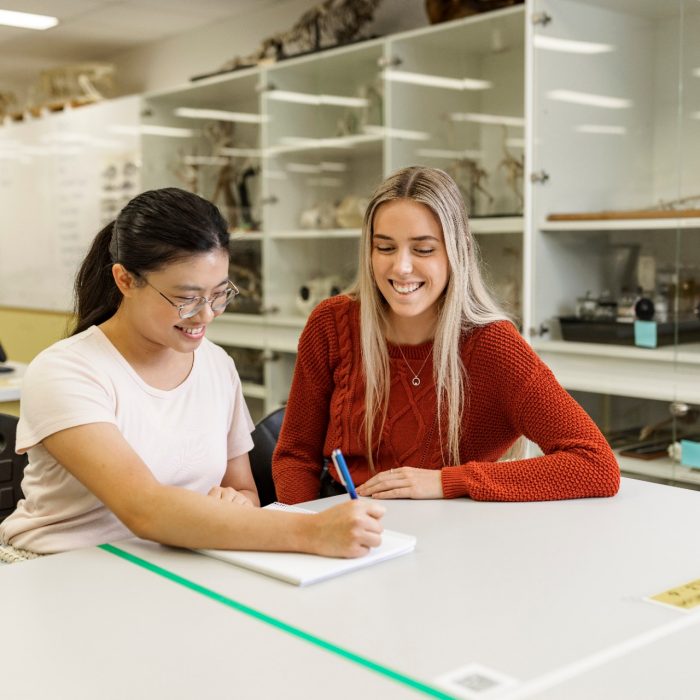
<point>389,62</point>
<point>541,176</point>
<point>678,409</point>
<point>541,18</point>
<point>540,330</point>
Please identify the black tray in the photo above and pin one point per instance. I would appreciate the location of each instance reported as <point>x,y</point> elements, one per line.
<point>576,329</point>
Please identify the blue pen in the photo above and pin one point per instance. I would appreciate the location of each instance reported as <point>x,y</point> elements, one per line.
<point>339,461</point>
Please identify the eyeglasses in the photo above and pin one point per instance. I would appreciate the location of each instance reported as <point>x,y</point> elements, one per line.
<point>194,305</point>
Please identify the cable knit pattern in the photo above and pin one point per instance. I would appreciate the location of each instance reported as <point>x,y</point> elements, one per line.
<point>511,393</point>
<point>342,379</point>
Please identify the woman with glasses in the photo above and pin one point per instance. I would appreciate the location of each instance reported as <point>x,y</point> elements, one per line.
<point>136,424</point>
<point>421,380</point>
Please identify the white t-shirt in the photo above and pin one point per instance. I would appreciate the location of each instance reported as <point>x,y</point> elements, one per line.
<point>185,435</point>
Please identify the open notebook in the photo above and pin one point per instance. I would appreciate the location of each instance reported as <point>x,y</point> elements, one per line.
<point>304,569</point>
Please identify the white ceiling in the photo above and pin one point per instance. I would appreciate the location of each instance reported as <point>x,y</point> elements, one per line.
<point>97,30</point>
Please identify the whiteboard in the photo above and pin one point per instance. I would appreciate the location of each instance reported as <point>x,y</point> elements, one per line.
<point>62,178</point>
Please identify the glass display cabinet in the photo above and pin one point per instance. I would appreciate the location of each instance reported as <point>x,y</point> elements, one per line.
<point>615,198</point>
<point>311,137</point>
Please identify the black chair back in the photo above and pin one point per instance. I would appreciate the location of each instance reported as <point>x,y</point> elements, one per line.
<point>11,466</point>
<point>265,439</point>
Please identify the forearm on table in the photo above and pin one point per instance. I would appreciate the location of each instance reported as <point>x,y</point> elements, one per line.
<point>556,476</point>
<point>176,516</point>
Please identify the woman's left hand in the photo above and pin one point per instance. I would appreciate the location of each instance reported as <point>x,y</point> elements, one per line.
<point>226,493</point>
<point>404,482</point>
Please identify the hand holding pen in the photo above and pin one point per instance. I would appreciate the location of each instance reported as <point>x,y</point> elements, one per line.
<point>344,472</point>
<point>352,528</point>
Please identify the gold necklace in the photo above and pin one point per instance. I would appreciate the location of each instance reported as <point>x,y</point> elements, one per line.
<point>416,375</point>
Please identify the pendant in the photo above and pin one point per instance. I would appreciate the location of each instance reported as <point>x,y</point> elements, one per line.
<point>415,381</point>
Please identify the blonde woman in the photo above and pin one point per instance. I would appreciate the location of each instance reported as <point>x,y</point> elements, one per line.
<point>422,381</point>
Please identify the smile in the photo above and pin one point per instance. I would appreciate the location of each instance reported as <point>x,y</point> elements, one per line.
<point>406,288</point>
<point>194,333</point>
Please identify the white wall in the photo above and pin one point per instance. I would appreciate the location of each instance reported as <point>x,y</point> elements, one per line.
<point>173,61</point>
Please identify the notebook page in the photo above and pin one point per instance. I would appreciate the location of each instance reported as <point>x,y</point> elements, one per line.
<point>304,569</point>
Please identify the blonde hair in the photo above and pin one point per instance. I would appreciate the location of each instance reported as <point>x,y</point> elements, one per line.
<point>466,303</point>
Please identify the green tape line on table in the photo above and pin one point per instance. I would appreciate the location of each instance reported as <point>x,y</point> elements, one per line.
<point>283,626</point>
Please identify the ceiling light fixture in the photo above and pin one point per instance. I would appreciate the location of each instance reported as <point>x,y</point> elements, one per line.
<point>26,20</point>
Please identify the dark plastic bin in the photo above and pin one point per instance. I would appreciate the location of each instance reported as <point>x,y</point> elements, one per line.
<point>576,329</point>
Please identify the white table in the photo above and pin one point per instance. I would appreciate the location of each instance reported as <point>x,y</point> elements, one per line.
<point>550,595</point>
<point>11,382</point>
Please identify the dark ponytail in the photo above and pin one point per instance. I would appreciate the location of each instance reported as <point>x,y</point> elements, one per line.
<point>155,228</point>
<point>97,298</point>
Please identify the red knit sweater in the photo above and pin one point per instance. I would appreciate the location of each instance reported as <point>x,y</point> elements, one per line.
<point>511,393</point>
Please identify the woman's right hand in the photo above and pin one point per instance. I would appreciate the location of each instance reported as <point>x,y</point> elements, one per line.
<point>348,530</point>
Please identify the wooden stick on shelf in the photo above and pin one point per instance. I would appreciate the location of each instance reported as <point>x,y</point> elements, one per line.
<point>630,214</point>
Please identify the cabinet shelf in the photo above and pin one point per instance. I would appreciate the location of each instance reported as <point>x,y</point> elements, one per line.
<point>240,319</point>
<point>258,320</point>
<point>356,144</point>
<point>687,353</point>
<point>669,224</point>
<point>497,224</point>
<point>658,374</point>
<point>286,321</point>
<point>242,330</point>
<point>246,236</point>
<point>253,391</point>
<point>316,233</point>
<point>273,333</point>
<point>662,469</point>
